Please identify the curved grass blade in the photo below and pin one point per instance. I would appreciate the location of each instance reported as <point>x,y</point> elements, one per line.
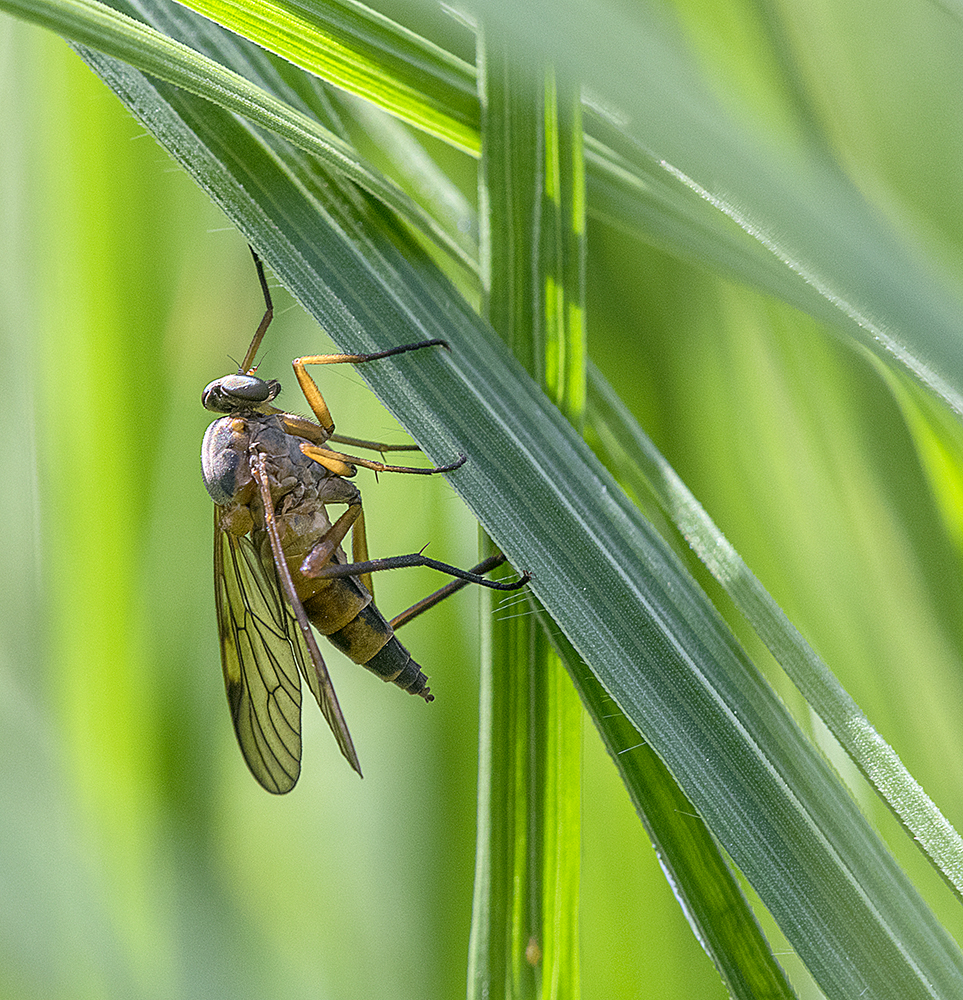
<point>363,52</point>
<point>843,258</point>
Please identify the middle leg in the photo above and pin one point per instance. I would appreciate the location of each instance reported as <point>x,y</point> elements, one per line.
<point>336,461</point>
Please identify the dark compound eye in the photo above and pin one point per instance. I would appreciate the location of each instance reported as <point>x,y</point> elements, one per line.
<point>236,392</point>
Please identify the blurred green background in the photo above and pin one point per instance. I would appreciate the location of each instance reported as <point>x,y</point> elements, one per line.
<point>138,858</point>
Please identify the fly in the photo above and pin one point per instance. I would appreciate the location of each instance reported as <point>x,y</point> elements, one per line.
<point>279,565</point>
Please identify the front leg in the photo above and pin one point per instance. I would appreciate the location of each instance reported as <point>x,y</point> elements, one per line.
<point>313,394</point>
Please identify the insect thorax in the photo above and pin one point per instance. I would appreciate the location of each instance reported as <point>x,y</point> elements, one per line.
<point>231,442</point>
<point>300,487</point>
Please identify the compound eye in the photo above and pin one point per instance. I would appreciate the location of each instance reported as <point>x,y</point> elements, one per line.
<point>236,392</point>
<point>247,388</point>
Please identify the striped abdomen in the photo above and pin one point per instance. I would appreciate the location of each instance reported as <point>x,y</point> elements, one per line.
<point>344,613</point>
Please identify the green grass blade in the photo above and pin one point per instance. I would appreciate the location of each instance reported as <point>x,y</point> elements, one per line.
<point>533,238</point>
<point>513,701</point>
<point>366,54</point>
<point>840,254</point>
<point>631,193</point>
<point>562,325</point>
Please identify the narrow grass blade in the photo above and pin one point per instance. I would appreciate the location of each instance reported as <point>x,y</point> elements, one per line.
<point>366,54</point>
<point>527,870</point>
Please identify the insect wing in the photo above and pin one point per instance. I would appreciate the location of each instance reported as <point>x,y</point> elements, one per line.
<point>318,679</point>
<point>315,673</point>
<point>262,652</point>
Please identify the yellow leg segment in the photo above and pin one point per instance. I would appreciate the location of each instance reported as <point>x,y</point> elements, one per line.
<point>313,394</point>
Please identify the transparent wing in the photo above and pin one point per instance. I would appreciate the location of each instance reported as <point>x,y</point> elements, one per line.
<point>262,651</point>
<point>265,643</point>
